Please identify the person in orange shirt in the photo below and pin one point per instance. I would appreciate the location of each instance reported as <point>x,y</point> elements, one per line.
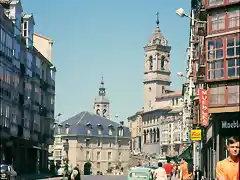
<point>228,169</point>
<point>184,172</point>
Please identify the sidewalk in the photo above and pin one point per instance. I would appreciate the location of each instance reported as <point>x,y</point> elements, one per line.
<point>34,176</point>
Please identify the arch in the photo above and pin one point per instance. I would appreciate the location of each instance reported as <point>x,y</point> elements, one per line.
<point>162,62</point>
<point>158,135</point>
<point>151,135</point>
<point>144,136</point>
<point>98,111</point>
<point>154,135</point>
<point>87,168</point>
<point>150,63</point>
<point>104,111</point>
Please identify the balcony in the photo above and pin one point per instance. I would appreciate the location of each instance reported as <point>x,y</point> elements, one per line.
<point>43,85</point>
<point>26,133</point>
<point>35,106</point>
<point>14,129</point>
<point>43,111</point>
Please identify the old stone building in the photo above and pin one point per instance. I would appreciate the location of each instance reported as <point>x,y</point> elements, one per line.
<point>95,142</point>
<point>162,106</point>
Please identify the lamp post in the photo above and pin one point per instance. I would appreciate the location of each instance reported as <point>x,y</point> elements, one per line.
<point>116,138</point>
<point>66,144</point>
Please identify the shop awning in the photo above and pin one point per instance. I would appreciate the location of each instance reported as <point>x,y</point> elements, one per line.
<point>186,154</point>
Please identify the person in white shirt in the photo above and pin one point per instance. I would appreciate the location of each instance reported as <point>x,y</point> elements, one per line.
<point>160,173</point>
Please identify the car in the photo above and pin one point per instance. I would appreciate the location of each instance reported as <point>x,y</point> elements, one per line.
<point>7,172</point>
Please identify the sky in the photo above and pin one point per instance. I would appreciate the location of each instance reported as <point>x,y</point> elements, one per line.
<point>95,37</point>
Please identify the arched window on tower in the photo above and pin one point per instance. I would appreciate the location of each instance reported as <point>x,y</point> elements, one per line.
<point>162,62</point>
<point>104,112</point>
<point>150,63</point>
<point>98,111</point>
<point>163,90</point>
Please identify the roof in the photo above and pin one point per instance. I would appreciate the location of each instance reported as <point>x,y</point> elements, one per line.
<point>157,38</point>
<point>44,37</point>
<point>78,124</point>
<point>101,99</point>
<point>171,94</point>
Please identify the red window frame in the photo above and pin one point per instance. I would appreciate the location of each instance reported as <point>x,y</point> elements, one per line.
<point>226,22</point>
<point>225,3</point>
<point>225,57</point>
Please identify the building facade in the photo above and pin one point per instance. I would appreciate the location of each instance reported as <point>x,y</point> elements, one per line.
<point>95,143</point>
<point>27,93</point>
<point>222,77</point>
<point>162,111</point>
<point>136,129</point>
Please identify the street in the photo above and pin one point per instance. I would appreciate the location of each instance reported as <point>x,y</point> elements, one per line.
<point>102,178</point>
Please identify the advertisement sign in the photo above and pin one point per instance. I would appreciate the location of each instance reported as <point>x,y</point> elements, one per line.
<point>229,127</point>
<point>203,102</point>
<point>196,135</point>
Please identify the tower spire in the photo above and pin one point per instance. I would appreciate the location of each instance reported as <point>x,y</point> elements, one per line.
<point>102,82</point>
<point>102,91</point>
<point>157,21</point>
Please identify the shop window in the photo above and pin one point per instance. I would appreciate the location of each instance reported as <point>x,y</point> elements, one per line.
<point>215,69</point>
<point>215,49</point>
<point>233,18</point>
<point>217,94</point>
<point>218,21</point>
<point>233,67</point>
<point>233,46</point>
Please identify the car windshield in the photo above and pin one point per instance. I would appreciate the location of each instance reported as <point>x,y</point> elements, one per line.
<point>4,168</point>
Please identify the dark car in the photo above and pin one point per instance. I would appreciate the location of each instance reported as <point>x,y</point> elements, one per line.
<point>7,172</point>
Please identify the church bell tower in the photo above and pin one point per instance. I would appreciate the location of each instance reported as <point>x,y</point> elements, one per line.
<point>101,103</point>
<point>157,72</point>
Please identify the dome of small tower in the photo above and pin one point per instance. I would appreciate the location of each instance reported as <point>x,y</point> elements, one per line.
<point>157,38</point>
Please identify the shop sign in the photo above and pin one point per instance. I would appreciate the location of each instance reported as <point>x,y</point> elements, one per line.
<point>203,102</point>
<point>196,135</point>
<point>230,125</point>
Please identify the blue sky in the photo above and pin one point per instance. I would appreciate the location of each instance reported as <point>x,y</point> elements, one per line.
<point>92,37</point>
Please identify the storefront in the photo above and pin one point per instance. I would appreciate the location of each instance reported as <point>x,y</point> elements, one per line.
<point>221,127</point>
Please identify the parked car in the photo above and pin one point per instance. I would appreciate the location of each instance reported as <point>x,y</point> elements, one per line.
<point>7,172</point>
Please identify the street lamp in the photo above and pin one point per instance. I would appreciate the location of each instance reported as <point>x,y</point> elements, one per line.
<point>180,74</point>
<point>116,138</point>
<point>180,12</point>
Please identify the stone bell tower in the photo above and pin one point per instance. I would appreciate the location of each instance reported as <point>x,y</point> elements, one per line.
<point>157,73</point>
<point>101,103</point>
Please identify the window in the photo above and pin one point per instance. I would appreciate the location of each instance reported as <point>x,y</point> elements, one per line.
<point>217,94</point>
<point>162,62</point>
<point>88,142</point>
<point>119,156</point>
<point>173,103</point>
<point>88,155</point>
<point>99,130</point>
<point>150,63</point>
<point>176,101</point>
<point>58,153</point>
<point>109,165</point>
<point>233,67</point>
<point>233,94</point>
<point>215,2</point>
<point>233,18</point>
<point>109,155</point>
<point>110,132</point>
<point>98,155</point>
<point>163,90</point>
<point>99,143</point>
<point>218,21</point>
<point>110,144</point>
<point>233,46</point>
<point>215,69</point>
<point>98,165</point>
<point>215,49</point>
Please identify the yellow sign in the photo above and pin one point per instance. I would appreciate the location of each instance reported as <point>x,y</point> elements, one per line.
<point>196,135</point>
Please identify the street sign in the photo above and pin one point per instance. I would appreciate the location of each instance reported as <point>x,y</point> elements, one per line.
<point>196,135</point>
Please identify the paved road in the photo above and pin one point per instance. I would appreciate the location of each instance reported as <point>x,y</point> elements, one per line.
<point>96,178</point>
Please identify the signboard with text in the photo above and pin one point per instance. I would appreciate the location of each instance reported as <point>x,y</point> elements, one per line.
<point>203,102</point>
<point>229,127</point>
<point>196,135</point>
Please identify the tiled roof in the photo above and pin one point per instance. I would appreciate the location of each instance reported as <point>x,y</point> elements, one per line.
<point>78,124</point>
<point>172,94</point>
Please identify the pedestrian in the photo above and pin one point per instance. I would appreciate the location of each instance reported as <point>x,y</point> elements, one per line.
<point>185,170</point>
<point>160,173</point>
<point>228,169</point>
<point>76,175</point>
<point>169,169</point>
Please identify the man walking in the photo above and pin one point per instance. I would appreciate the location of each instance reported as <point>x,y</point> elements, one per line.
<point>169,169</point>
